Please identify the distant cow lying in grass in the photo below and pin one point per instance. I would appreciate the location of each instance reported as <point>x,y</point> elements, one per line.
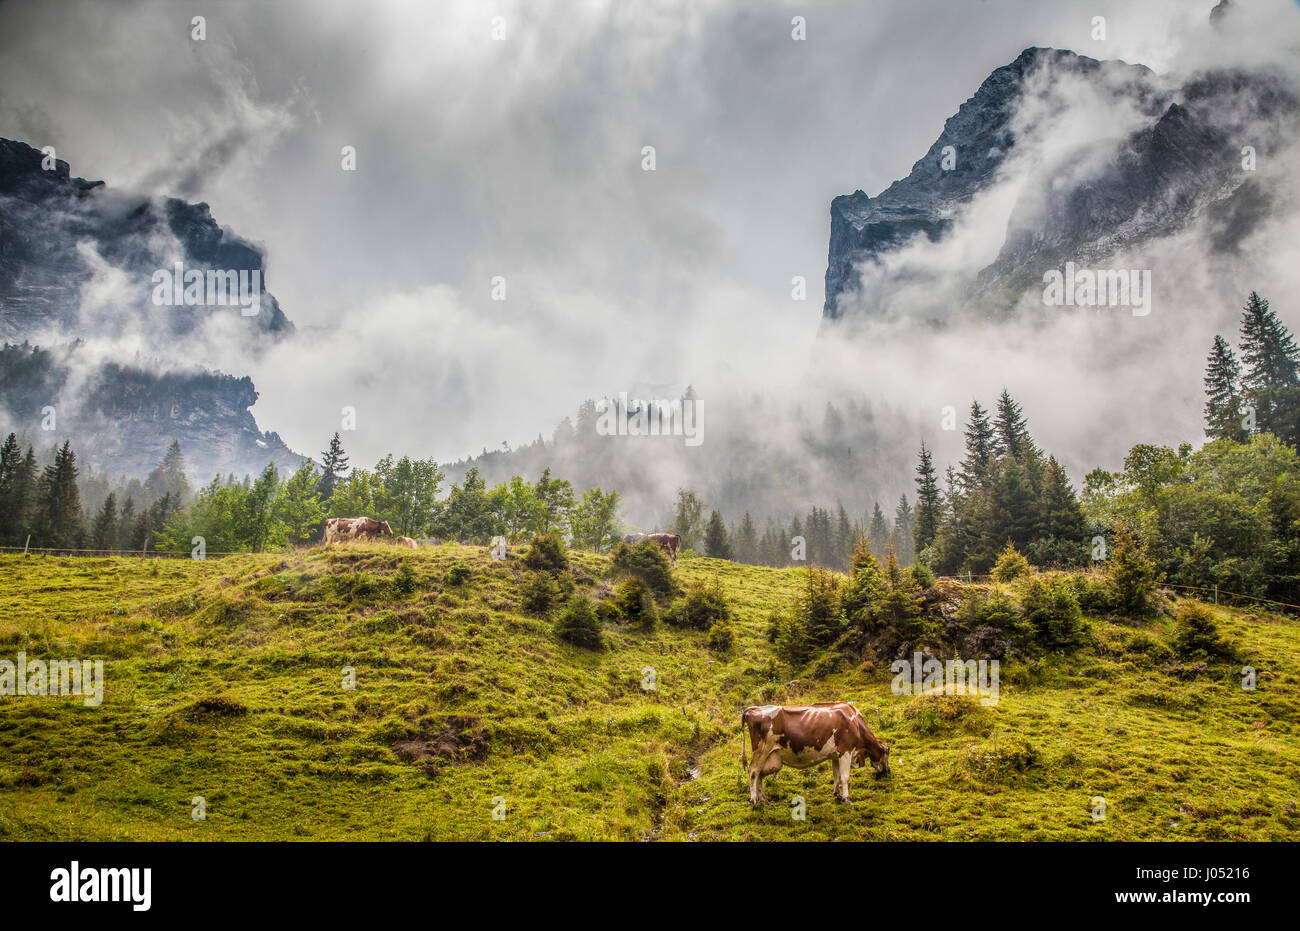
<point>407,542</point>
<point>805,735</point>
<point>355,529</point>
<point>670,543</point>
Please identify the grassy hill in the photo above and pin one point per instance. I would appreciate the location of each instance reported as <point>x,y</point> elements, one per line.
<point>225,681</point>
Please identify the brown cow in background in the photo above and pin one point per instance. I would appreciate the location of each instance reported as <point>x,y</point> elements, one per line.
<point>670,543</point>
<point>407,542</point>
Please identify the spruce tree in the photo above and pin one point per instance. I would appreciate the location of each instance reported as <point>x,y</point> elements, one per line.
<point>173,467</point>
<point>334,465</point>
<point>928,502</point>
<point>980,448</point>
<point>103,535</point>
<point>879,530</point>
<point>716,542</point>
<point>1270,370</point>
<point>59,501</point>
<point>904,543</point>
<point>747,546</point>
<point>1011,433</point>
<point>1223,412</point>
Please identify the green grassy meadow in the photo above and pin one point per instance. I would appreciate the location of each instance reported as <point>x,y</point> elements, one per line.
<point>224,680</point>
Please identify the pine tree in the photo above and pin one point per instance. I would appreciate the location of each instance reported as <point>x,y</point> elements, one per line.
<point>688,518</point>
<point>879,530</point>
<point>1223,412</point>
<point>103,535</point>
<point>58,505</point>
<point>1011,433</point>
<point>126,525</point>
<point>903,541</point>
<point>716,542</point>
<point>747,544</point>
<point>334,464</point>
<point>173,467</point>
<point>12,491</point>
<point>1270,370</point>
<point>980,448</point>
<point>1062,518</point>
<point>929,503</point>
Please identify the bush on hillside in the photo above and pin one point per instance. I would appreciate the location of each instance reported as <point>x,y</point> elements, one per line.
<point>647,563</point>
<point>1196,634</point>
<point>633,603</point>
<point>538,593</point>
<point>547,553</point>
<point>701,606</point>
<point>1011,565</point>
<point>1132,573</point>
<point>1051,608</point>
<point>721,636</point>
<point>577,624</point>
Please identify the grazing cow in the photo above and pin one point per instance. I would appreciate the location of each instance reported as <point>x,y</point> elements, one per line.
<point>355,529</point>
<point>408,542</point>
<point>805,735</point>
<point>670,543</point>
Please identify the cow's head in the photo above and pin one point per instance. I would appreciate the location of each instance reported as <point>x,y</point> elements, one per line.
<point>385,529</point>
<point>875,751</point>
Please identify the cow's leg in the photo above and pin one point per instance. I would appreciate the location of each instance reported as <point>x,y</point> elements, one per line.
<point>846,766</point>
<point>835,776</point>
<point>755,786</point>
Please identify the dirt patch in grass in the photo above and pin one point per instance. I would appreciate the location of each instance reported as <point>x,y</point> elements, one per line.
<point>459,740</point>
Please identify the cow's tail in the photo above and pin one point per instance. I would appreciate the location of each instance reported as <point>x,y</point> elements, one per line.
<point>744,761</point>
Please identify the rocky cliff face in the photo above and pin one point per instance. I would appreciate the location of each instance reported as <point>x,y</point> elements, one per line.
<point>57,230</point>
<point>76,273</point>
<point>1092,201</point>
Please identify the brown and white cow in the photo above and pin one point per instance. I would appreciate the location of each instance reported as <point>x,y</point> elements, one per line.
<point>407,542</point>
<point>355,529</point>
<point>670,543</point>
<point>805,735</point>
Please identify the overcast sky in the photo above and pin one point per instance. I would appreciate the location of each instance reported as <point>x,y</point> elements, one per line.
<point>522,158</point>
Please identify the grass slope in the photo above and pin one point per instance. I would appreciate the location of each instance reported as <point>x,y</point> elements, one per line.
<point>225,681</point>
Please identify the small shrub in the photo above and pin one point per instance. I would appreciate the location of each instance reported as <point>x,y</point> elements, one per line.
<point>1133,574</point>
<point>922,575</point>
<point>547,553</point>
<point>578,624</point>
<point>459,574</point>
<point>634,604</point>
<point>994,764</point>
<point>404,580</point>
<point>1050,607</point>
<point>1197,635</point>
<point>1011,565</point>
<point>932,715</point>
<point>721,636</point>
<point>701,606</point>
<point>647,563</point>
<point>538,593</point>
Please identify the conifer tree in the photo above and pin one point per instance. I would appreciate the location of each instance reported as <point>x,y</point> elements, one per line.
<point>878,533</point>
<point>716,542</point>
<point>1011,433</point>
<point>104,533</point>
<point>1223,414</point>
<point>928,502</point>
<point>1270,370</point>
<point>980,449</point>
<point>58,506</point>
